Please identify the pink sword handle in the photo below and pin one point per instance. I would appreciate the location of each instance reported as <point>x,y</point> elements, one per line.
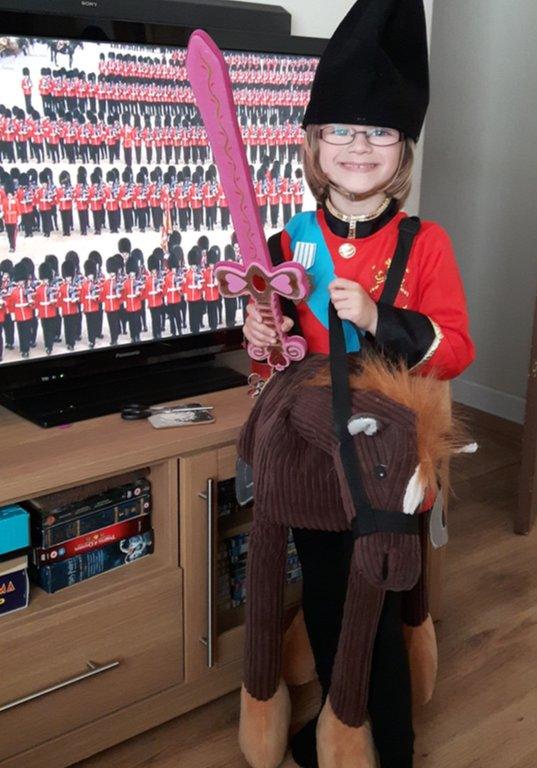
<point>211,84</point>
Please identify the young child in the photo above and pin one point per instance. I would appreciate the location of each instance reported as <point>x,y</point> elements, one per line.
<point>367,107</point>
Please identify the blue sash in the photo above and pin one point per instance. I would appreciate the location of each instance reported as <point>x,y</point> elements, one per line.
<point>305,232</point>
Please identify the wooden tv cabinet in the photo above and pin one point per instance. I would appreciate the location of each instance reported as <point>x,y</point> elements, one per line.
<point>129,648</point>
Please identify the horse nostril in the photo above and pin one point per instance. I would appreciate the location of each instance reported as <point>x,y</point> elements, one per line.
<point>381,471</point>
<point>385,567</point>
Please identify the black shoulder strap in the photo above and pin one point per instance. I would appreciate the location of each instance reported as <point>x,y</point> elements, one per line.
<point>408,229</point>
<point>368,519</point>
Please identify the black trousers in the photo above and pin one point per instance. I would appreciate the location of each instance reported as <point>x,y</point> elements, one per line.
<point>70,326</point>
<point>156,321</point>
<point>24,329</point>
<point>325,558</point>
<point>174,313</point>
<point>135,325</point>
<point>230,311</point>
<point>114,326</point>
<point>49,325</point>
<point>92,324</point>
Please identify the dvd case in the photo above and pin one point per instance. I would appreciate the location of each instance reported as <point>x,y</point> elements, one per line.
<point>67,505</point>
<point>91,541</point>
<point>54,577</point>
<point>49,536</point>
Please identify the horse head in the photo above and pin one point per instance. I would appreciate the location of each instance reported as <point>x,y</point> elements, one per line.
<point>403,430</point>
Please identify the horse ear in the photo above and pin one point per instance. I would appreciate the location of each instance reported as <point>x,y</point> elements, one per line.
<point>364,422</point>
<point>469,448</point>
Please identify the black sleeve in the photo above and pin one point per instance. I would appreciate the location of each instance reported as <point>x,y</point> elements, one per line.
<point>403,333</point>
<point>288,307</point>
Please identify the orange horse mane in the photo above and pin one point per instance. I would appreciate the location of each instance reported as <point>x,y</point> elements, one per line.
<point>439,432</point>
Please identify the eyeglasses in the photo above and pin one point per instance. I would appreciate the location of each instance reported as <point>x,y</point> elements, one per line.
<point>343,134</point>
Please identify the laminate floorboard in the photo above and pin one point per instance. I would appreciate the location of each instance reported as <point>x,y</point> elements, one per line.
<point>484,711</point>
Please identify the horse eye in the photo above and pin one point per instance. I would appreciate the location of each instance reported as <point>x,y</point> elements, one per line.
<point>381,471</point>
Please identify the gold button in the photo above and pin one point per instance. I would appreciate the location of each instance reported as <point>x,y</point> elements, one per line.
<point>347,250</point>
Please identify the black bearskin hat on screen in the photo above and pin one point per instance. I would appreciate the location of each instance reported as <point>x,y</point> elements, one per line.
<point>68,269</point>
<point>374,70</point>
<point>152,263</point>
<point>20,273</point>
<point>112,267</point>
<point>45,272</point>
<point>90,268</point>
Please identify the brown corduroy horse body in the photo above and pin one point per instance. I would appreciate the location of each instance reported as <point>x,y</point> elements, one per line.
<point>401,429</point>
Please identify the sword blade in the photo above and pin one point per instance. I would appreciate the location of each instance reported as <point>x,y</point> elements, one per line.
<point>209,77</point>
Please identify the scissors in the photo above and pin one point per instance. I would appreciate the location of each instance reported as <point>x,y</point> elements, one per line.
<point>135,411</point>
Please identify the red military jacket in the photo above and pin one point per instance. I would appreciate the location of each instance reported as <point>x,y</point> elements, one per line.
<point>11,208</point>
<point>96,197</point>
<point>45,301</point>
<point>431,286</point>
<point>64,198</point>
<point>111,198</point>
<point>173,288</point>
<point>132,295</point>
<point>273,194</point>
<point>90,297</point>
<point>19,303</point>
<point>153,291</point>
<point>195,197</point>
<point>26,199</point>
<point>286,192</point>
<point>81,197</point>
<point>193,285</point>
<point>68,299</point>
<point>210,286</point>
<point>110,295</point>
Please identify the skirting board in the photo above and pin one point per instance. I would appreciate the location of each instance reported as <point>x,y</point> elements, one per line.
<point>489,400</point>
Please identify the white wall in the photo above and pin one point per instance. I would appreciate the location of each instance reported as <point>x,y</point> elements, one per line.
<point>480,181</point>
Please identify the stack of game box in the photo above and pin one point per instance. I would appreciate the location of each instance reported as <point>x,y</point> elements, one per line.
<point>76,538</point>
<point>237,553</point>
<point>14,545</point>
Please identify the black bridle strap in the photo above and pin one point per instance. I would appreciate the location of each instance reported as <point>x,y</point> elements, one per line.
<point>368,519</point>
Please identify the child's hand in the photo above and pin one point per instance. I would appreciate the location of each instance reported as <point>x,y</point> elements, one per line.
<point>353,303</point>
<point>259,333</point>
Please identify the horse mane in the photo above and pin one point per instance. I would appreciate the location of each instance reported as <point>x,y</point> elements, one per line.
<point>439,432</point>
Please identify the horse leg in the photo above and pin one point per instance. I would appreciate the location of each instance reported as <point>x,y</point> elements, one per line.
<point>418,629</point>
<point>343,736</point>
<point>265,703</point>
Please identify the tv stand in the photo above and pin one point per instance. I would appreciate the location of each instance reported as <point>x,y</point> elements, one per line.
<point>64,402</point>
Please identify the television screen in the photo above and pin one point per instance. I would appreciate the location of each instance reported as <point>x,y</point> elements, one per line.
<point>112,212</point>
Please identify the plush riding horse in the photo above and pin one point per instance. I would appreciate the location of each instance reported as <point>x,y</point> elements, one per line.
<point>400,429</point>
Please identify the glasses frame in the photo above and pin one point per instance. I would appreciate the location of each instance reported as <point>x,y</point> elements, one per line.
<point>355,132</point>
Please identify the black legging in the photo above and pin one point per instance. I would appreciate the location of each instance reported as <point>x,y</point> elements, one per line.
<point>325,557</point>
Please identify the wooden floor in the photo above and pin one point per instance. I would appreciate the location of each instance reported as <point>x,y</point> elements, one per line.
<point>484,712</point>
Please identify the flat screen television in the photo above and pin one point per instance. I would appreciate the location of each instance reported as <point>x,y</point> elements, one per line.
<point>112,213</point>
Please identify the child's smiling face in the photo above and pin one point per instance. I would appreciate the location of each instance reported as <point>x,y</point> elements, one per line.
<point>360,167</point>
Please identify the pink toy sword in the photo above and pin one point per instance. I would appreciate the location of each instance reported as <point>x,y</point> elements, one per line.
<point>210,81</point>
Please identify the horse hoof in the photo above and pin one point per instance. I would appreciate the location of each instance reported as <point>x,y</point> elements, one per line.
<point>423,660</point>
<point>298,665</point>
<point>264,728</point>
<point>342,746</point>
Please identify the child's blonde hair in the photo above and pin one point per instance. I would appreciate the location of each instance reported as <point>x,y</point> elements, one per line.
<point>398,188</point>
